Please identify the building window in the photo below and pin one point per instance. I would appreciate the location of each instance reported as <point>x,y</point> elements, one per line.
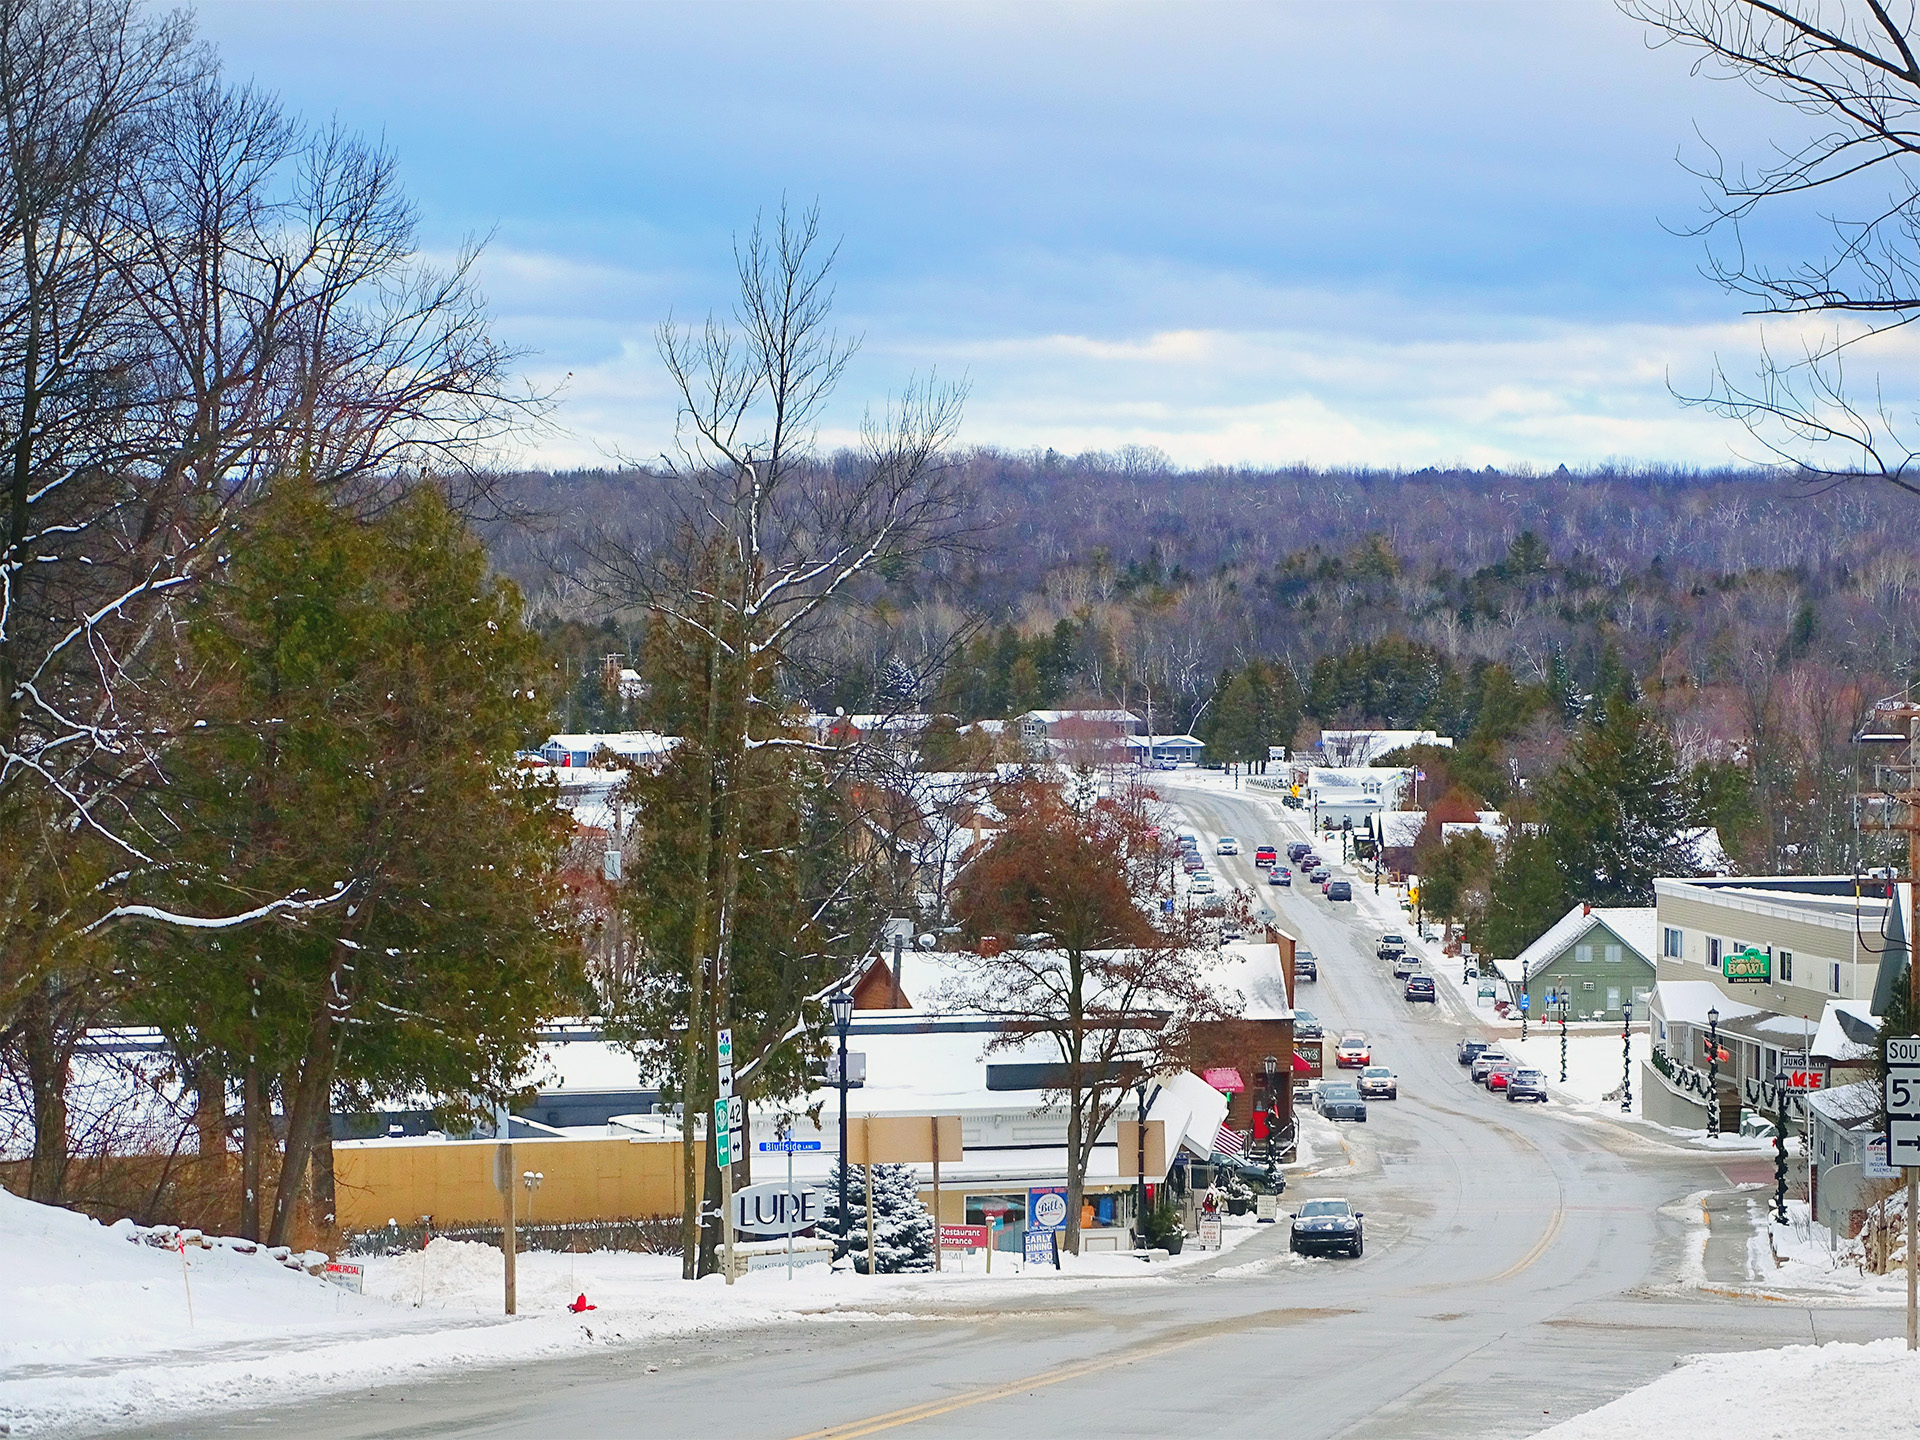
<point>1713,952</point>
<point>1583,954</point>
<point>1670,943</point>
<point>1613,954</point>
<point>1833,982</point>
<point>1786,967</point>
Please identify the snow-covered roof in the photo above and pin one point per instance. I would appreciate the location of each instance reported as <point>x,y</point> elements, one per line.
<point>1361,746</point>
<point>1686,1002</point>
<point>1253,969</point>
<point>1832,1040</point>
<point>1103,717</point>
<point>1848,1106</point>
<point>627,744</point>
<point>1633,924</point>
<point>1493,830</point>
<point>1400,828</point>
<point>1702,847</point>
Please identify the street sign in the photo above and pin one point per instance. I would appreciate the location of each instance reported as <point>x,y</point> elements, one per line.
<point>856,1068</point>
<point>722,1135</point>
<point>1748,966</point>
<point>963,1237</point>
<point>778,1209</point>
<point>1526,1002</point>
<point>787,1147</point>
<point>1903,1100</point>
<point>725,1048</point>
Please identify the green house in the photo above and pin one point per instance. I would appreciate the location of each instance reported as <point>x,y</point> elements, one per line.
<point>1601,956</point>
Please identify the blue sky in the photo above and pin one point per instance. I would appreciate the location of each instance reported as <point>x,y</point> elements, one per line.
<point>1390,233</point>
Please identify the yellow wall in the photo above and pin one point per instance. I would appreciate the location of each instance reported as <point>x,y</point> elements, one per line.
<point>453,1181</point>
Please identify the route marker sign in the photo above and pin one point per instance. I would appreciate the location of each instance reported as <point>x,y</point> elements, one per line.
<point>1903,1100</point>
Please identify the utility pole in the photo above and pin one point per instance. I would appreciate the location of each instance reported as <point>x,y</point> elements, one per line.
<point>503,1166</point>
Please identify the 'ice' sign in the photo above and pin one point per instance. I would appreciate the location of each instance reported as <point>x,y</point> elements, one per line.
<point>774,1209</point>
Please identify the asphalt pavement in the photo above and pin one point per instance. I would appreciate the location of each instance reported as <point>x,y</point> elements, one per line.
<point>1522,1265</point>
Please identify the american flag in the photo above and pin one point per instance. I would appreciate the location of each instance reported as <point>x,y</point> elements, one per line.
<point>1229,1143</point>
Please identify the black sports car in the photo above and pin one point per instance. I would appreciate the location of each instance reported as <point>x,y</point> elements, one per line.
<point>1327,1227</point>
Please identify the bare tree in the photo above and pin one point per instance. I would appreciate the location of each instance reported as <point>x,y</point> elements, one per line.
<point>1849,69</point>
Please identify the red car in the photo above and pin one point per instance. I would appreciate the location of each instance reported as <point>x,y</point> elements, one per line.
<point>1498,1076</point>
<point>1353,1053</point>
<point>1266,855</point>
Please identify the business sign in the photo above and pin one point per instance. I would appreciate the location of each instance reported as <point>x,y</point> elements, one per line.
<point>1047,1208</point>
<point>348,1277</point>
<point>1903,1100</point>
<point>1043,1248</point>
<point>1210,1232</point>
<point>1748,966</point>
<point>963,1237</point>
<point>1266,1208</point>
<point>1873,1165</point>
<point>778,1208</point>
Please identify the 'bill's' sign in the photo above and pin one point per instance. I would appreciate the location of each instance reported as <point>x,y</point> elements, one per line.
<point>776,1210</point>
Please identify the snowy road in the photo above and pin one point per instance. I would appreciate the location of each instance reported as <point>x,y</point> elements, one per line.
<point>1521,1268</point>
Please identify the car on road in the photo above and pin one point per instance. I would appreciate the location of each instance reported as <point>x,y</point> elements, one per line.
<point>1193,864</point>
<point>1297,848</point>
<point>1527,1085</point>
<point>1266,855</point>
<point>1404,965</point>
<point>1306,1025</point>
<point>1280,875</point>
<point>1498,1075</point>
<point>1201,885</point>
<point>1420,987</point>
<point>1305,967</point>
<point>1467,1049</point>
<point>1391,944</point>
<point>1328,1227</point>
<point>1485,1061</point>
<point>1293,802</point>
<point>1227,845</point>
<point>1377,1082</point>
<point>1340,1100</point>
<point>1353,1052</point>
<point>1320,875</point>
<point>1340,890</point>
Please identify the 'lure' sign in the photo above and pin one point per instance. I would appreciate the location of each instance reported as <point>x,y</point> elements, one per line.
<point>776,1209</point>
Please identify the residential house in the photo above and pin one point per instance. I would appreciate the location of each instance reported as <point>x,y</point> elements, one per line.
<point>1602,956</point>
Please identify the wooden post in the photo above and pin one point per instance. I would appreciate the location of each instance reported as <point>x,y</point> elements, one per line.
<point>935,1121</point>
<point>507,1181</point>
<point>872,1269</point>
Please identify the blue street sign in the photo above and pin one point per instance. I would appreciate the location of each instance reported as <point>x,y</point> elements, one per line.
<point>787,1147</point>
<point>1526,1002</point>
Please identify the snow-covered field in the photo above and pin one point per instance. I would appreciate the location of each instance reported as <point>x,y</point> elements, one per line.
<point>1836,1392</point>
<point>98,1331</point>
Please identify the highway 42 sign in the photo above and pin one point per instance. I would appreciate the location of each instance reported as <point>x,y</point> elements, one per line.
<point>1903,1100</point>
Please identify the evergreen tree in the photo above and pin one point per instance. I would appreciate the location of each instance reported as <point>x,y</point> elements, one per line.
<point>1617,809</point>
<point>903,1229</point>
<point>1525,897</point>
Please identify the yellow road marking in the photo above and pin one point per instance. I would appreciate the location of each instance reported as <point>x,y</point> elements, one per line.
<point>892,1420</point>
<point>1539,1249</point>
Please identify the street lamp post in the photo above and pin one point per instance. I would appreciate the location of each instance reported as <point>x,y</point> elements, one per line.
<point>1565,1004</point>
<point>1713,1073</point>
<point>841,1004</point>
<point>1626,1055</point>
<point>1526,997</point>
<point>1272,1066</point>
<point>1780,1148</point>
<point>1140,1196</point>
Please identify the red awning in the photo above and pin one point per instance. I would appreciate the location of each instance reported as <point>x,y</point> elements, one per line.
<point>1225,1079</point>
<point>1301,1067</point>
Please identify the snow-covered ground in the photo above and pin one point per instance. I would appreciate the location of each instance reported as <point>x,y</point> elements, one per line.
<point>99,1331</point>
<point>1837,1392</point>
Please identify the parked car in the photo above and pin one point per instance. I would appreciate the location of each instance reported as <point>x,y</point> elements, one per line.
<point>1280,875</point>
<point>1297,848</point>
<point>1293,802</point>
<point>1377,1082</point>
<point>1201,885</point>
<point>1527,1085</point>
<point>1340,1100</point>
<point>1266,855</point>
<point>1193,864</point>
<point>1306,1025</point>
<point>1340,890</point>
<point>1227,845</point>
<point>1485,1061</point>
<point>1404,965</point>
<point>1320,875</point>
<point>1305,967</point>
<point>1391,944</point>
<point>1498,1075</point>
<point>1420,987</point>
<point>1353,1052</point>
<point>1328,1227</point>
<point>1467,1050</point>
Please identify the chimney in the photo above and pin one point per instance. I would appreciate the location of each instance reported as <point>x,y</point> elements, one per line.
<point>1585,908</point>
<point>899,995</point>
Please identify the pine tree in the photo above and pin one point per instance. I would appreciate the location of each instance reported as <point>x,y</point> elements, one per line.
<point>903,1230</point>
<point>1617,810</point>
<point>1526,896</point>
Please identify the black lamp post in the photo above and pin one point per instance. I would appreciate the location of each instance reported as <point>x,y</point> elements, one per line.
<point>1780,1147</point>
<point>1140,1197</point>
<point>1272,1066</point>
<point>841,1004</point>
<point>1713,1073</point>
<point>1626,1055</point>
<point>1565,999</point>
<point>1526,998</point>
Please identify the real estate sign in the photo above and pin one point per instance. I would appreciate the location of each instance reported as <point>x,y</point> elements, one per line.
<point>1748,966</point>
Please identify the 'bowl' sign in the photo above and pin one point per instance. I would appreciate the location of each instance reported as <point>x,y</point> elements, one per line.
<point>776,1209</point>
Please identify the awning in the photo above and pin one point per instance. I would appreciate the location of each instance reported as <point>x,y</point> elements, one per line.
<point>1300,1066</point>
<point>1225,1079</point>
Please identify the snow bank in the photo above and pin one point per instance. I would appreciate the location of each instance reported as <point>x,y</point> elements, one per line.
<point>1838,1392</point>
